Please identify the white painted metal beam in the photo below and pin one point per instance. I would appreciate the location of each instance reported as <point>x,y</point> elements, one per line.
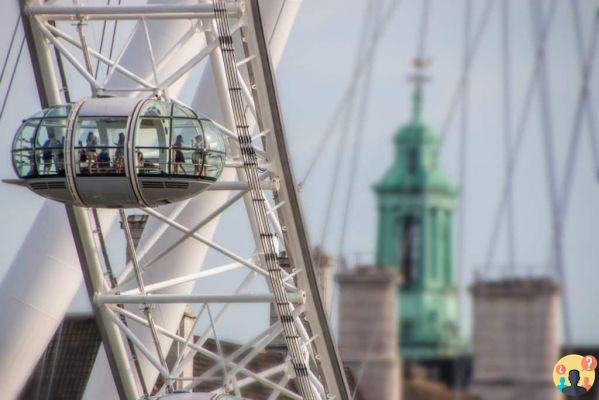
<point>213,356</point>
<point>116,12</point>
<point>191,298</point>
<point>206,241</point>
<point>183,279</point>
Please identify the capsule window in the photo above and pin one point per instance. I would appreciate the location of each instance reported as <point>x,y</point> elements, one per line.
<point>182,112</point>
<point>39,114</point>
<point>187,147</point>
<point>24,159</point>
<point>58,111</point>
<point>25,138</point>
<point>51,132</point>
<point>100,146</point>
<point>152,146</point>
<point>154,108</point>
<point>50,146</point>
<point>215,151</point>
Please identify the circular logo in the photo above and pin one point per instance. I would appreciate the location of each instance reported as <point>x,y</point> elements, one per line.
<point>574,374</point>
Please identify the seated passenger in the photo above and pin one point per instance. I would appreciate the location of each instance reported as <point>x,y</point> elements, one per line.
<point>179,157</point>
<point>90,151</point>
<point>104,159</point>
<point>143,166</point>
<point>198,153</point>
<point>140,159</point>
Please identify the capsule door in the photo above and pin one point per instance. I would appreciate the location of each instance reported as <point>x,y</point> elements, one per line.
<point>99,161</point>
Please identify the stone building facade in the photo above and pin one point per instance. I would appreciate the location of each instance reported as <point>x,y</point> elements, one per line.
<point>516,332</point>
<point>368,330</point>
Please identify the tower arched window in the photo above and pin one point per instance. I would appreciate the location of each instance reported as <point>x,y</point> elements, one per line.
<point>412,160</point>
<point>409,248</point>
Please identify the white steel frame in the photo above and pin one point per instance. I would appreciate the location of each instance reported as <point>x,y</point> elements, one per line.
<point>259,95</point>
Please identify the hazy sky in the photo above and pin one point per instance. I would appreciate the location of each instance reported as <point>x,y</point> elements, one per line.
<point>316,69</point>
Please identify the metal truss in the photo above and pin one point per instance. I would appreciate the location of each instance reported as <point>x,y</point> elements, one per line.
<point>237,51</point>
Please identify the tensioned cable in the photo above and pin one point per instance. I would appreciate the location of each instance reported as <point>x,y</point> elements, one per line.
<point>345,105</point>
<point>327,134</point>
<point>423,32</point>
<point>40,378</point>
<point>463,139</point>
<point>341,108</point>
<point>369,349</point>
<point>9,50</point>
<point>101,44</point>
<point>472,51</point>
<point>100,237</point>
<point>347,114</point>
<point>520,134</point>
<point>560,198</point>
<point>420,54</point>
<point>544,96</point>
<point>584,103</point>
<point>61,72</point>
<point>462,176</point>
<point>356,149</point>
<point>377,31</point>
<point>546,122</point>
<point>566,188</point>
<point>358,69</point>
<point>55,357</point>
<point>359,131</point>
<point>507,126</point>
<point>274,30</point>
<point>113,283</point>
<point>591,123</point>
<point>141,287</point>
<point>112,41</point>
<point>506,56</point>
<point>285,310</point>
<point>355,158</point>
<point>12,77</point>
<point>227,378</point>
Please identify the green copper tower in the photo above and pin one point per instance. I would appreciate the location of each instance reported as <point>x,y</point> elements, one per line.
<point>415,203</point>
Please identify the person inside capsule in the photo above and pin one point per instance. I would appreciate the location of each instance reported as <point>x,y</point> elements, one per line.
<point>32,158</point>
<point>119,162</point>
<point>198,153</point>
<point>50,142</point>
<point>50,153</point>
<point>100,146</point>
<point>178,156</point>
<point>90,152</point>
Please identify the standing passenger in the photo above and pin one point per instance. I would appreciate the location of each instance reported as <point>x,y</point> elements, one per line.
<point>198,153</point>
<point>48,146</point>
<point>33,158</point>
<point>120,154</point>
<point>90,151</point>
<point>59,156</point>
<point>178,154</point>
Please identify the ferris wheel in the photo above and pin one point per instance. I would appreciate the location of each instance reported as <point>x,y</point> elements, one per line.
<point>131,143</point>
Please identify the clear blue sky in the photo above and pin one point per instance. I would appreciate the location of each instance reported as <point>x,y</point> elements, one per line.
<point>315,70</point>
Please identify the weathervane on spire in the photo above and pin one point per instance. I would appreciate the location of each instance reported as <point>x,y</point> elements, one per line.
<point>419,79</point>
